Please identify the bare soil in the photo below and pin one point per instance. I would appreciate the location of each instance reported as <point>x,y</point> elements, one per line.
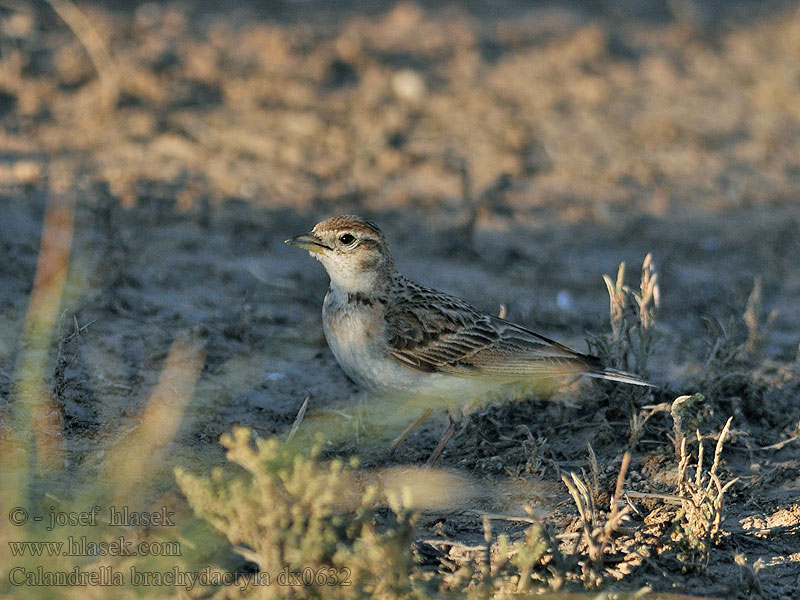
<point>512,152</point>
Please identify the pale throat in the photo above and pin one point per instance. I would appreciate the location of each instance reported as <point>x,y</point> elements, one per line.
<point>351,279</point>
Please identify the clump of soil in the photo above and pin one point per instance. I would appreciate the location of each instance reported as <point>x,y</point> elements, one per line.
<point>512,155</point>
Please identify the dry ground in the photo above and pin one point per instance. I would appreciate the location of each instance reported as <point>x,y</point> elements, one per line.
<point>513,154</point>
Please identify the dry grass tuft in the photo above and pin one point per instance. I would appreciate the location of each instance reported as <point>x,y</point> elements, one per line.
<point>633,314</point>
<point>598,529</point>
<point>629,345</point>
<point>698,523</point>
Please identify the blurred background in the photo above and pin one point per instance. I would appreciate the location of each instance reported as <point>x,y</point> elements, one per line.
<point>154,156</point>
<point>569,110</point>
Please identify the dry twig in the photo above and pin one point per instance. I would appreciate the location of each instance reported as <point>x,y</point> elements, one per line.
<point>94,45</point>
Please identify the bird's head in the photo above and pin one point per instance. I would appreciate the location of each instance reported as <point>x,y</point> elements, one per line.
<point>352,250</point>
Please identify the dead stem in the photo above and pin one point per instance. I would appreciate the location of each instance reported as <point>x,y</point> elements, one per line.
<point>95,47</point>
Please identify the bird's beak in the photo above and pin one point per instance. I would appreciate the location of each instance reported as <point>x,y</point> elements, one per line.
<point>308,241</point>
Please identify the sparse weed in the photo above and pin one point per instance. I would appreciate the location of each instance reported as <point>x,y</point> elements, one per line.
<point>536,548</point>
<point>40,481</point>
<point>598,528</point>
<point>729,349</point>
<point>632,312</point>
<point>727,374</point>
<point>757,326</point>
<point>697,525</point>
<point>71,555</point>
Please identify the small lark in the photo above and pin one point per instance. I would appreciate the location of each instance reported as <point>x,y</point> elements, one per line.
<point>391,335</point>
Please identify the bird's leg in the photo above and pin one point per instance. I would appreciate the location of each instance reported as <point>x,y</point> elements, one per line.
<point>451,430</point>
<point>407,431</point>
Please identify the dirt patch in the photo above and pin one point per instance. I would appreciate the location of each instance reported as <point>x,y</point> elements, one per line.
<point>512,155</point>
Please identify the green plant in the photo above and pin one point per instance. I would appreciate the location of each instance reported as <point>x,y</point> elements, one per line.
<point>289,513</point>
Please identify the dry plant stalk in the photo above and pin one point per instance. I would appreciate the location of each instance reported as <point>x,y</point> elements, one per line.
<point>159,422</point>
<point>618,301</point>
<point>31,434</point>
<point>639,420</point>
<point>632,315</point>
<point>597,532</point>
<point>751,317</point>
<point>756,329</point>
<point>702,501</point>
<point>95,47</point>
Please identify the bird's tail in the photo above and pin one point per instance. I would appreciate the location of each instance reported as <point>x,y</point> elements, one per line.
<point>621,377</point>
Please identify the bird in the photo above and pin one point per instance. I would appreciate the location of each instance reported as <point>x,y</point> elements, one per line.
<point>393,336</point>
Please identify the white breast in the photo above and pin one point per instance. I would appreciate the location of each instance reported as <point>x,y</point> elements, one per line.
<point>356,336</point>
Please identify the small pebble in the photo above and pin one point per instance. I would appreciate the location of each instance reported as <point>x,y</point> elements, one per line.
<point>564,300</point>
<point>408,85</point>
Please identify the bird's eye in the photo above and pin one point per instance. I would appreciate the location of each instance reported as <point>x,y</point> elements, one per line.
<point>347,239</point>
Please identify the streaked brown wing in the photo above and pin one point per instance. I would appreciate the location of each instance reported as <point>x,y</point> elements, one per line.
<point>435,332</point>
<point>522,353</point>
